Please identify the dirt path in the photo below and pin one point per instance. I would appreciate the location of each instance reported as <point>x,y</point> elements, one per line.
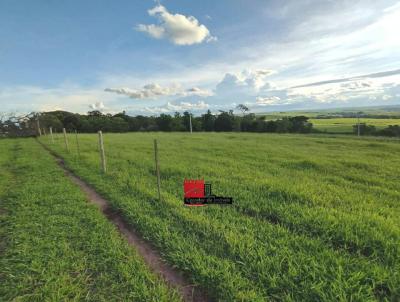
<point>152,258</point>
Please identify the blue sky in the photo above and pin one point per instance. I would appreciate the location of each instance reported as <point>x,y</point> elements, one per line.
<point>150,57</point>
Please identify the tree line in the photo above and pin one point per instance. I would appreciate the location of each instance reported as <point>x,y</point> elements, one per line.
<point>223,121</point>
<point>226,121</point>
<point>94,121</point>
<point>365,129</point>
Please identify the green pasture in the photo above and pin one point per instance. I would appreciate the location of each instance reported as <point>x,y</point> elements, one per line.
<point>315,217</point>
<point>345,125</point>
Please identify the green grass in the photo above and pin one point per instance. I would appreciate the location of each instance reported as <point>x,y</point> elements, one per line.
<point>315,218</point>
<point>393,110</point>
<point>345,125</point>
<point>56,246</point>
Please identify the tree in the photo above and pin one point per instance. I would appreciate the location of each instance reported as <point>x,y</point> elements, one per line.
<point>208,120</point>
<point>164,122</point>
<point>242,108</point>
<point>177,123</point>
<point>224,121</point>
<point>13,125</point>
<point>118,124</point>
<point>364,129</point>
<point>392,130</point>
<point>300,124</point>
<point>95,113</point>
<point>283,125</point>
<point>121,122</point>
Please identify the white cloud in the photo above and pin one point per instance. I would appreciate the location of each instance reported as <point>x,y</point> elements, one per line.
<point>177,28</point>
<point>246,81</point>
<point>354,92</point>
<point>171,107</point>
<point>199,92</point>
<point>271,100</point>
<point>97,106</point>
<point>65,97</point>
<point>153,91</point>
<point>148,91</point>
<point>153,30</point>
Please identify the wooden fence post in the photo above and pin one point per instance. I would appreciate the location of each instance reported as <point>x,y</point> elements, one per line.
<point>38,127</point>
<point>77,144</point>
<point>157,169</point>
<point>102,155</point>
<point>51,134</point>
<point>66,139</point>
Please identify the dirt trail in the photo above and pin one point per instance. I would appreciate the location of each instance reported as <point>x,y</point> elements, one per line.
<point>152,258</point>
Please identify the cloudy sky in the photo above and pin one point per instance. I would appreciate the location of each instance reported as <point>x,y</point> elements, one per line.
<point>149,57</point>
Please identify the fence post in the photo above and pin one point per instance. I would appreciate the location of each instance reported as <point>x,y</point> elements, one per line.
<point>65,140</point>
<point>51,134</point>
<point>102,155</point>
<point>38,127</point>
<point>77,144</point>
<point>157,169</point>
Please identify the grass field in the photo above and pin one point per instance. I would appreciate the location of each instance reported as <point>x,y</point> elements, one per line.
<point>345,125</point>
<point>57,247</point>
<point>315,218</point>
<point>393,110</point>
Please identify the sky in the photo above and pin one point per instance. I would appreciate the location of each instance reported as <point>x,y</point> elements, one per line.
<point>151,57</point>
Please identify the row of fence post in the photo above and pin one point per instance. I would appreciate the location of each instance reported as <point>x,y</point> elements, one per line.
<point>103,155</point>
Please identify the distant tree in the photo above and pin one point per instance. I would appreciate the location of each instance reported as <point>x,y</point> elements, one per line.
<point>164,122</point>
<point>208,121</point>
<point>242,108</point>
<point>392,130</point>
<point>121,122</point>
<point>224,121</point>
<point>283,125</point>
<point>177,123</point>
<point>15,125</point>
<point>247,122</point>
<point>50,120</point>
<point>71,122</point>
<point>186,120</point>
<point>364,129</point>
<point>95,113</point>
<point>118,124</point>
<point>300,124</point>
<point>259,125</point>
<point>270,126</point>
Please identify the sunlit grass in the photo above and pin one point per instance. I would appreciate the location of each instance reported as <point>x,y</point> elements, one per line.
<point>314,217</point>
<point>56,246</point>
<point>345,125</point>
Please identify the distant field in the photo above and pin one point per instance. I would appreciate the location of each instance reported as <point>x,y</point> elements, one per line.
<point>315,217</point>
<point>345,125</point>
<point>379,110</point>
